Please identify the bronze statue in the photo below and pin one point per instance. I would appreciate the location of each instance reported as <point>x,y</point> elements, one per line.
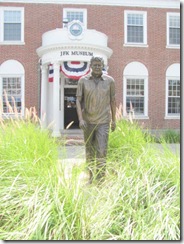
<point>96,109</point>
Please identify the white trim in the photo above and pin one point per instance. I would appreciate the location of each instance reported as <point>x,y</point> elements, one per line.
<point>145,78</point>
<point>136,70</point>
<point>44,98</point>
<point>170,116</point>
<point>140,117</point>
<point>12,43</point>
<point>2,42</point>
<point>168,45</point>
<point>17,71</point>
<point>135,45</point>
<point>62,111</point>
<point>173,47</point>
<point>51,52</point>
<point>172,4</point>
<point>22,77</point>
<point>56,112</point>
<point>144,14</point>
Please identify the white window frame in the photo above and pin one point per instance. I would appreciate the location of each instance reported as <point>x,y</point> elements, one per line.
<point>167,115</point>
<point>65,10</point>
<point>22,92</point>
<point>2,41</point>
<point>145,78</point>
<point>13,69</point>
<point>168,45</point>
<point>126,43</point>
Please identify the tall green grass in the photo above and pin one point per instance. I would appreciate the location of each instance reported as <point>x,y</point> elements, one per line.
<point>128,139</point>
<point>171,136</point>
<point>139,199</point>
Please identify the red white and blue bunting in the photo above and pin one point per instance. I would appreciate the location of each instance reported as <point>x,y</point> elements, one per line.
<point>51,73</point>
<point>75,69</point>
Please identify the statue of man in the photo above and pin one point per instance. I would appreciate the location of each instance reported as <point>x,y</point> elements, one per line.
<point>96,109</point>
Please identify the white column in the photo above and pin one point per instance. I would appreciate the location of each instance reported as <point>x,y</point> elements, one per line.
<point>62,103</point>
<point>44,80</point>
<point>56,132</point>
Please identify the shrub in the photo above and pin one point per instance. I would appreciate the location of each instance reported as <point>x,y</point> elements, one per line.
<point>171,136</point>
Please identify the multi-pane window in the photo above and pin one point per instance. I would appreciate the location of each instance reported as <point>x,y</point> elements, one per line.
<point>173,29</point>
<point>11,87</point>
<point>173,97</point>
<point>11,25</point>
<point>135,27</point>
<point>135,96</point>
<point>75,14</point>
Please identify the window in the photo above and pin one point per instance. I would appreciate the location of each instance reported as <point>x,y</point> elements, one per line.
<point>75,14</point>
<point>135,28</point>
<point>173,91</point>
<point>173,97</point>
<point>136,90</point>
<point>12,87</point>
<point>173,30</point>
<point>135,96</point>
<point>12,25</point>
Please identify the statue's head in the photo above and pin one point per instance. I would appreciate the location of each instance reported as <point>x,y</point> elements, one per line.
<point>97,65</point>
<point>97,59</point>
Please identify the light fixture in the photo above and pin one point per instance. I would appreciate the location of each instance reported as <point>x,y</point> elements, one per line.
<point>65,22</point>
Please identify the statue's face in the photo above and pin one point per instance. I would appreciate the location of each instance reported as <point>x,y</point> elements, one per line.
<point>97,67</point>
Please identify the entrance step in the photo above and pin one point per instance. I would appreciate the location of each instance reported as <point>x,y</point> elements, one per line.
<point>73,136</point>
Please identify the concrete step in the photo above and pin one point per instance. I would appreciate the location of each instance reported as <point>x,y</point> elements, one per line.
<point>73,137</point>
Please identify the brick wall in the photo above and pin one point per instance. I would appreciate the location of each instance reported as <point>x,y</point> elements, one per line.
<point>40,18</point>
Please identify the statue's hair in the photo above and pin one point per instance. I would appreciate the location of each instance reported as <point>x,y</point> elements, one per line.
<point>96,59</point>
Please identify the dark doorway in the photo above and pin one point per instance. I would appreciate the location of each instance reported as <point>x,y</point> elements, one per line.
<point>70,112</point>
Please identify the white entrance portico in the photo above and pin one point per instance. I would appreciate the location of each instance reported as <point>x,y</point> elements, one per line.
<point>60,46</point>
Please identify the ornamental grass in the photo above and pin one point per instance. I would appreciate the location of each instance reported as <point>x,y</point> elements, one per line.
<point>139,199</point>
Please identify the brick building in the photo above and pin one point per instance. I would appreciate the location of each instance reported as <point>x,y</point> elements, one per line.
<point>45,46</point>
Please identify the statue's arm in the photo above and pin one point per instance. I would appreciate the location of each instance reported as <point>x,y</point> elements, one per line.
<point>113,112</point>
<point>113,106</point>
<point>79,108</point>
<point>82,123</point>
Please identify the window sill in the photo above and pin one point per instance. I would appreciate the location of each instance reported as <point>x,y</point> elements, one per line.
<point>12,43</point>
<point>137,117</point>
<point>141,117</point>
<point>135,45</point>
<point>11,115</point>
<point>172,47</point>
<point>172,117</point>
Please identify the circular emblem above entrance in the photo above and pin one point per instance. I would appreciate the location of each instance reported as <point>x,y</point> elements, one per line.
<point>75,29</point>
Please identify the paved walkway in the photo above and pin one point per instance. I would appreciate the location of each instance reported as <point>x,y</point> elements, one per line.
<point>75,145</point>
<point>78,151</point>
<point>74,155</point>
<point>175,148</point>
<point>72,151</point>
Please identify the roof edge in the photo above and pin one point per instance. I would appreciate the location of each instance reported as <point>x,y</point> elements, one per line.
<point>172,4</point>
